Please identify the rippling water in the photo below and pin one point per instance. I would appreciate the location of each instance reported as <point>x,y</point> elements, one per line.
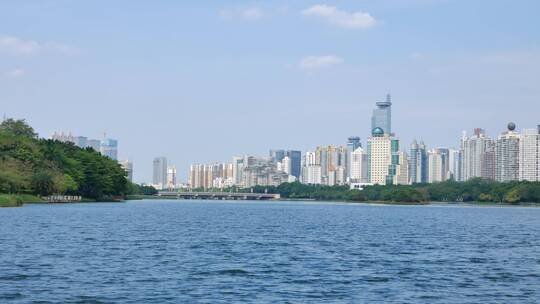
<point>261,252</point>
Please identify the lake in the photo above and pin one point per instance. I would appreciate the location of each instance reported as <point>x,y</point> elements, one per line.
<point>268,252</point>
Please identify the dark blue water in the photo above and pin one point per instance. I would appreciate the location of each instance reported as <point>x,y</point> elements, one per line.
<point>210,252</point>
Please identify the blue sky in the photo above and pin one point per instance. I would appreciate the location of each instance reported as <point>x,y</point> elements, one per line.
<point>201,81</point>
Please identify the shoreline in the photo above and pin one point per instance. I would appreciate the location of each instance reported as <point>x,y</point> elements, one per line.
<point>433,203</point>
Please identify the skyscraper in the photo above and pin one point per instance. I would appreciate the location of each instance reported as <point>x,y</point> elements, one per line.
<point>418,163</point>
<point>383,157</point>
<point>382,115</point>
<point>529,155</point>
<point>507,155</point>
<point>160,172</point>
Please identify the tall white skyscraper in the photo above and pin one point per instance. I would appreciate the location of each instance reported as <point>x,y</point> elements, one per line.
<point>454,164</point>
<point>160,172</point>
<point>529,155</point>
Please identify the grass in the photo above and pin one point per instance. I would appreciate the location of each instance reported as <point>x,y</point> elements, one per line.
<point>15,200</point>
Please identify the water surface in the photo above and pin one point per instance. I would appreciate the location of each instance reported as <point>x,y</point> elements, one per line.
<point>267,252</point>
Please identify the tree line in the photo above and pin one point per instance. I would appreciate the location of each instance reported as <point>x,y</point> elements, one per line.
<point>473,190</point>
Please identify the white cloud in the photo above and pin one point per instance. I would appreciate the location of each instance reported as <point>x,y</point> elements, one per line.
<point>17,46</point>
<point>15,73</point>
<point>336,17</point>
<point>316,62</point>
<point>251,13</point>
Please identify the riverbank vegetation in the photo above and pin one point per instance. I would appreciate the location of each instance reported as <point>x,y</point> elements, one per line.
<point>41,167</point>
<point>14,200</point>
<point>474,190</point>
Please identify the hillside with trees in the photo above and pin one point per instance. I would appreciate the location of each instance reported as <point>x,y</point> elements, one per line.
<point>29,165</point>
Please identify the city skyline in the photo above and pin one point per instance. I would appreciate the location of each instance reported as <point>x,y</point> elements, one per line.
<point>314,71</point>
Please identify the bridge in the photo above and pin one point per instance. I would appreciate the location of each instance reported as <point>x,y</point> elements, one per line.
<point>219,195</point>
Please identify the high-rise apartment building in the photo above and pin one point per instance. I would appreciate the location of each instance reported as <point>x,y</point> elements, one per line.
<point>438,165</point>
<point>478,156</point>
<point>383,157</point>
<point>507,155</point>
<point>160,172</point>
<point>334,164</point>
<point>418,163</point>
<point>359,166</point>
<point>312,170</point>
<point>382,115</point>
<point>529,155</point>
